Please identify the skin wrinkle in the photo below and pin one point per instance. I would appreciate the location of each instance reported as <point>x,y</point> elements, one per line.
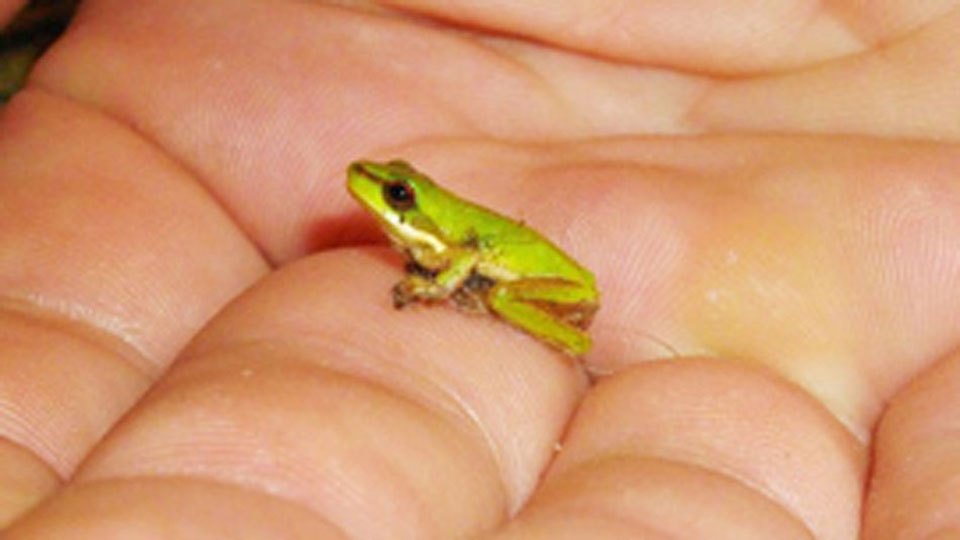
<point>91,334</point>
<point>496,46</point>
<point>218,484</point>
<point>37,441</point>
<point>448,110</point>
<point>29,439</point>
<point>94,321</point>
<point>874,40</point>
<point>834,7</point>
<point>597,27</point>
<point>725,472</point>
<point>566,96</point>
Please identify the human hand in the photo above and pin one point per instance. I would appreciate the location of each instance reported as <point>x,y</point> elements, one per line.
<point>766,197</point>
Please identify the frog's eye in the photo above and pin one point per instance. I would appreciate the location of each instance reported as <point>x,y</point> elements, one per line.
<point>399,195</point>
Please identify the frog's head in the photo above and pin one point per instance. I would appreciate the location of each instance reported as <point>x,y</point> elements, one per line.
<point>395,193</point>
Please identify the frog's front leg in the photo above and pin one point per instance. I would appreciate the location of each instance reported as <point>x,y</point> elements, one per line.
<point>439,285</point>
<point>550,309</point>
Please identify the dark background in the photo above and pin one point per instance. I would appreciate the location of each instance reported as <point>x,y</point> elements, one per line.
<point>25,38</point>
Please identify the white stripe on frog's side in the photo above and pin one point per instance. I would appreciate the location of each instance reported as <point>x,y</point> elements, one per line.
<point>496,272</point>
<point>408,232</point>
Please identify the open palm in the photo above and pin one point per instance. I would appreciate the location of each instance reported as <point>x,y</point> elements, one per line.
<point>196,332</point>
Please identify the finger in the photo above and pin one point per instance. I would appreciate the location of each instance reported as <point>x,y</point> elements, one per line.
<point>720,36</point>
<point>699,449</point>
<point>914,489</point>
<point>311,389</point>
<point>168,508</point>
<point>111,258</point>
<point>896,88</point>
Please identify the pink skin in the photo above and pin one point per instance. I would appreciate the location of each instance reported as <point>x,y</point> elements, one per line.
<point>167,157</point>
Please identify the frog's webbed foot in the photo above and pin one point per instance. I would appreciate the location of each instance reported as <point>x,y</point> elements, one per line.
<point>471,296</point>
<point>469,301</point>
<point>402,296</point>
<point>415,268</point>
<point>432,279</point>
<point>416,288</point>
<point>420,284</point>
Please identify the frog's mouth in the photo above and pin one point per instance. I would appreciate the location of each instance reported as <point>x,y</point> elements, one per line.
<point>363,185</point>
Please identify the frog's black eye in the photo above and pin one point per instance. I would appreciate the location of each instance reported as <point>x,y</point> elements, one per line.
<point>399,195</point>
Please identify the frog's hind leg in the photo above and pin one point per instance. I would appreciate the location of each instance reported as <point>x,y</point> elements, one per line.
<point>544,308</point>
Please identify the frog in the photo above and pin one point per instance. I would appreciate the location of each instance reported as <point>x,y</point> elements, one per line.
<point>476,258</point>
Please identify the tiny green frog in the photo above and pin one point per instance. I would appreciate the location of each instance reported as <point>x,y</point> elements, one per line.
<point>479,259</point>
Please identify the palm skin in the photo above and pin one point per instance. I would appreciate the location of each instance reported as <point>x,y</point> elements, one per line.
<point>197,335</point>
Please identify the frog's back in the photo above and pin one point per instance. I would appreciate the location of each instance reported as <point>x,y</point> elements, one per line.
<point>509,249</point>
<point>517,249</point>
